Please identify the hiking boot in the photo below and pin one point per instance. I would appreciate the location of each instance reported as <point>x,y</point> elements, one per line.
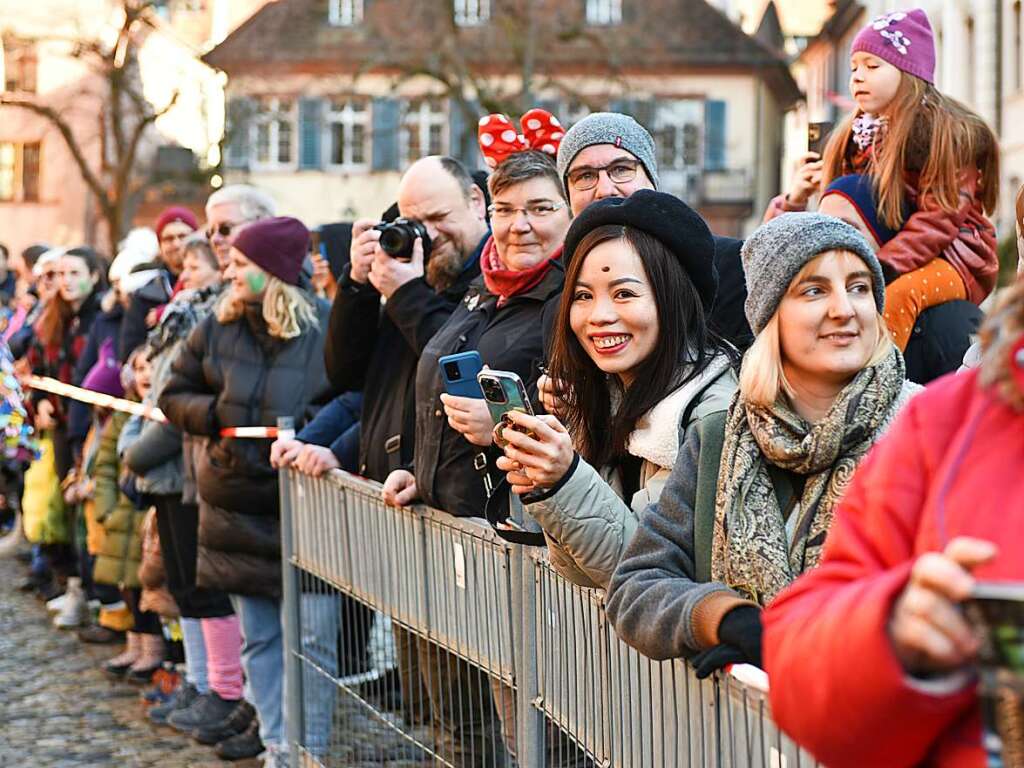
<point>208,708</point>
<point>243,745</point>
<point>182,699</point>
<point>74,610</point>
<point>235,722</point>
<point>97,635</point>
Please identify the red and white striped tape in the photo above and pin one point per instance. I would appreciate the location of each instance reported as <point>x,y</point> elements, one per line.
<point>53,386</point>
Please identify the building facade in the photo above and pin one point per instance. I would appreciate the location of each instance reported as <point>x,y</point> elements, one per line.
<point>43,197</point>
<point>325,110</point>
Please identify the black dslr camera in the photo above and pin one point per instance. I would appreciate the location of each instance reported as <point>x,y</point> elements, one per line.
<point>398,236</point>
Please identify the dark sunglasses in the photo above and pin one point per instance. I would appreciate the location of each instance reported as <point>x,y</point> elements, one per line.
<point>224,230</point>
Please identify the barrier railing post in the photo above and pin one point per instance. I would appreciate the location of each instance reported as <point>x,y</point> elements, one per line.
<point>530,737</point>
<point>291,594</point>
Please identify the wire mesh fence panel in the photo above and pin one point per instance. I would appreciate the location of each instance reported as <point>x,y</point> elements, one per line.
<point>469,592</point>
<point>417,639</point>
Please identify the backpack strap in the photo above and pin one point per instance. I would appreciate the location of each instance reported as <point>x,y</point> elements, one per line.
<point>712,440</point>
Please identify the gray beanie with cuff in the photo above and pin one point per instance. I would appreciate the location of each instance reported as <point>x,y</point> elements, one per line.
<point>777,250</point>
<point>613,128</point>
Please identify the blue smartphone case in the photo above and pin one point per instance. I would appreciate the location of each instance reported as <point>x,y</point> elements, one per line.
<point>467,365</point>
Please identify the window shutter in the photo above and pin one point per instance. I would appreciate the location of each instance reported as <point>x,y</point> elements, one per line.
<point>236,132</point>
<point>463,145</point>
<point>311,133</point>
<point>386,118</point>
<point>714,135</point>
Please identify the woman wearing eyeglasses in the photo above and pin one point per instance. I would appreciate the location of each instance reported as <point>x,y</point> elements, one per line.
<point>500,317</point>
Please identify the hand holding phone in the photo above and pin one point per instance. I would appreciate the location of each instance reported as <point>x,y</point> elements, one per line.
<point>459,372</point>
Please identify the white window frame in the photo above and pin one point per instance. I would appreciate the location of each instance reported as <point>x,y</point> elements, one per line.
<point>16,151</point>
<point>344,13</point>
<point>348,118</point>
<point>269,113</point>
<point>472,13</point>
<point>422,120</point>
<point>677,176</point>
<point>604,12</point>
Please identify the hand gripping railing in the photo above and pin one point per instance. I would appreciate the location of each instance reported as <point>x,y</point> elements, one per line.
<point>416,638</point>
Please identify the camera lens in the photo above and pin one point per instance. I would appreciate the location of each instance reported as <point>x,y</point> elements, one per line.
<point>451,370</point>
<point>493,391</point>
<point>395,241</point>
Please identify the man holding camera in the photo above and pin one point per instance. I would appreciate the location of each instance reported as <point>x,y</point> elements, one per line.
<point>373,349</point>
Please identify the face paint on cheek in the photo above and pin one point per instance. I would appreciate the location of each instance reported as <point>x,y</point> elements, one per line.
<point>256,281</point>
<point>84,286</point>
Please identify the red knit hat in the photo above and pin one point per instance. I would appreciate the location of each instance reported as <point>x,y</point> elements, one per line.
<point>173,214</point>
<point>278,245</point>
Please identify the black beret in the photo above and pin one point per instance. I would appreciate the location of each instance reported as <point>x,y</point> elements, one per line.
<point>664,217</point>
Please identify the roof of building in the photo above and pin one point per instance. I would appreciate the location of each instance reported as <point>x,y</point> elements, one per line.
<point>401,36</point>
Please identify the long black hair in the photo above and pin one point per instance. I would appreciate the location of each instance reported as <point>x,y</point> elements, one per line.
<point>684,349</point>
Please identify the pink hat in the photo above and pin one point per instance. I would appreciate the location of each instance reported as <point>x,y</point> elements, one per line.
<point>902,38</point>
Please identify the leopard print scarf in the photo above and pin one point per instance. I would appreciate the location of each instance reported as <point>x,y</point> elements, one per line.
<point>750,548</point>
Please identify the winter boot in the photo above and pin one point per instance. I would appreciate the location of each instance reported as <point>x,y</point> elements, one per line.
<point>151,658</point>
<point>75,610</point>
<point>182,699</point>
<point>118,666</point>
<point>236,722</point>
<point>208,708</point>
<point>241,746</point>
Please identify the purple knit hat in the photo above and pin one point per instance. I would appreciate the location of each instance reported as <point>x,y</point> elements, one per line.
<point>105,374</point>
<point>278,246</point>
<point>902,38</point>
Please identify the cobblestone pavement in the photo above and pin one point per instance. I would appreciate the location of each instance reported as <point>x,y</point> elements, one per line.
<point>58,710</point>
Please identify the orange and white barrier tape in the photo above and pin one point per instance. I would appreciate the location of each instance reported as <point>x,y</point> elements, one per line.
<point>55,387</point>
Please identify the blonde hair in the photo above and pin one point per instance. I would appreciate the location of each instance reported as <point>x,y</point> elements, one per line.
<point>929,133</point>
<point>762,376</point>
<point>287,309</point>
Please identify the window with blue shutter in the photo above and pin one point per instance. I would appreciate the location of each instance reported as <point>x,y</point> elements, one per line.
<point>386,119</point>
<point>310,133</point>
<point>463,142</point>
<point>714,135</point>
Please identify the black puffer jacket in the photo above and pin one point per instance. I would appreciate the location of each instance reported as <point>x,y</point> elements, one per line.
<point>374,350</point>
<point>232,375</point>
<point>508,339</point>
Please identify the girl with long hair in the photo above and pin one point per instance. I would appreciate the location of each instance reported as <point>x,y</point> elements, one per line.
<point>924,151</point>
<point>257,357</point>
<point>638,370</point>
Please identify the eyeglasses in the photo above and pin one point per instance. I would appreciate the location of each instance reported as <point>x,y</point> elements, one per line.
<point>534,211</point>
<point>224,229</point>
<point>171,236</point>
<point>619,171</point>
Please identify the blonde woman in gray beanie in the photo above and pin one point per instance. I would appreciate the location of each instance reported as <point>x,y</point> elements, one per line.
<point>750,500</point>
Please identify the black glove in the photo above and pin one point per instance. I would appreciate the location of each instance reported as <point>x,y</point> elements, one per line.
<point>715,658</point>
<point>741,628</point>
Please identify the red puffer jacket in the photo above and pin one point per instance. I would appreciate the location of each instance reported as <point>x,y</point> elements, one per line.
<point>836,685</point>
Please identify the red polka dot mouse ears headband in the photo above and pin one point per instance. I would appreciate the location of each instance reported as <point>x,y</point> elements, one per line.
<point>498,138</point>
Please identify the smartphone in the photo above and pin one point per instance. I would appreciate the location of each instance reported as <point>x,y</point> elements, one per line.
<point>459,372</point>
<point>817,136</point>
<point>504,391</point>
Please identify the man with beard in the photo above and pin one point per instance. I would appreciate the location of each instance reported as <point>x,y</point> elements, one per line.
<point>374,349</point>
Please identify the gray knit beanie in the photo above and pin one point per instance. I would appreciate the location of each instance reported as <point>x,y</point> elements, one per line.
<point>776,252</point>
<point>608,128</point>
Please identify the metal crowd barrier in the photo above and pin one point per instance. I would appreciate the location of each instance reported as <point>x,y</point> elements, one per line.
<point>414,638</point>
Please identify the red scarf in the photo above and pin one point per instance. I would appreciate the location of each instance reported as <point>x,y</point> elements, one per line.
<point>506,283</point>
